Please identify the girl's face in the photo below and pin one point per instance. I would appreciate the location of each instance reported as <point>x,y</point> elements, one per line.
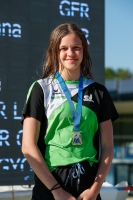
<point>70,53</point>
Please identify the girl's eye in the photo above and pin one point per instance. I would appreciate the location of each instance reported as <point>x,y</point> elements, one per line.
<point>77,48</point>
<point>63,49</point>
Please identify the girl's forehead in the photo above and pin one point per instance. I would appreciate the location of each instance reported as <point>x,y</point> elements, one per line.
<point>70,38</point>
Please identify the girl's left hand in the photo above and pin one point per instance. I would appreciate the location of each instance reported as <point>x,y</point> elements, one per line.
<point>87,195</point>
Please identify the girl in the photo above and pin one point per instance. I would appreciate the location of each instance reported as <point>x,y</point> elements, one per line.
<point>67,122</point>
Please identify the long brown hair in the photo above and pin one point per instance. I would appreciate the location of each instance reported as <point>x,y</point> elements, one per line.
<point>51,63</point>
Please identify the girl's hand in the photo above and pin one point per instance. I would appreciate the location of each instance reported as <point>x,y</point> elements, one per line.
<point>87,195</point>
<point>61,194</point>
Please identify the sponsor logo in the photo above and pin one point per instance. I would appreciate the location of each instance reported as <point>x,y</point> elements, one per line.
<point>88,98</point>
<point>55,90</point>
<point>57,94</point>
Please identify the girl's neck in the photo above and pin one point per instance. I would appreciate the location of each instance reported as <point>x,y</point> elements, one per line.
<point>70,75</point>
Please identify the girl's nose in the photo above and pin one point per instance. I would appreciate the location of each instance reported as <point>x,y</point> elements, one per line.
<point>70,51</point>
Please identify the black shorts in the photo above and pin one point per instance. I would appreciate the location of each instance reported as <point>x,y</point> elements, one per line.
<point>69,184</point>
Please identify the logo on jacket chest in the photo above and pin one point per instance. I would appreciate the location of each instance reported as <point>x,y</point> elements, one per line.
<point>88,98</point>
<point>57,94</point>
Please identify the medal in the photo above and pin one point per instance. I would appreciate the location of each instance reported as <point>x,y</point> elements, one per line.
<point>76,114</point>
<point>76,138</point>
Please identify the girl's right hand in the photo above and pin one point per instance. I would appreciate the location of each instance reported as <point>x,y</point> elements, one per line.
<point>60,194</point>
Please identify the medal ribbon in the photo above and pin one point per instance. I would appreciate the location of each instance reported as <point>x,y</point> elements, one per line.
<point>76,115</point>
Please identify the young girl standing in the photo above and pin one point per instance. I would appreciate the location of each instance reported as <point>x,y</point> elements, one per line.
<point>67,122</point>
